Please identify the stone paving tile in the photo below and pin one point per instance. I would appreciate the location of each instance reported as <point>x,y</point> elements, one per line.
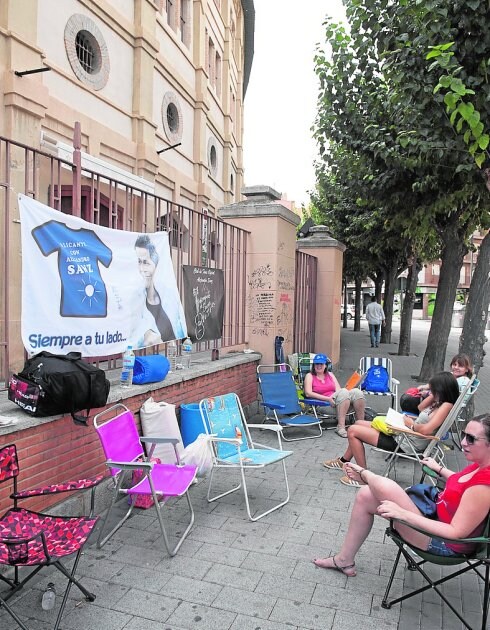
<point>92,617</point>
<point>255,542</point>
<point>140,556</point>
<point>187,567</point>
<point>300,552</point>
<point>268,564</point>
<point>146,605</point>
<point>348,621</point>
<point>214,536</point>
<point>152,580</point>
<point>279,586</point>
<point>303,615</point>
<point>190,616</point>
<point>241,526</point>
<point>238,577</point>
<point>301,535</point>
<point>191,590</point>
<point>100,569</point>
<point>138,623</point>
<point>243,622</point>
<point>218,554</point>
<point>245,602</point>
<point>339,598</point>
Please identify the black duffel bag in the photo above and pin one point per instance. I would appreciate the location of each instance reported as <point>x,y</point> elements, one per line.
<point>52,384</point>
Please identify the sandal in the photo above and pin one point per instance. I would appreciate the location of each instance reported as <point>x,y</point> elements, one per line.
<point>336,566</point>
<point>341,431</point>
<point>350,482</point>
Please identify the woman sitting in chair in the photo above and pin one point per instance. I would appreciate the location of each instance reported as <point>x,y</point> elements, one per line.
<point>444,390</point>
<point>462,507</point>
<point>322,385</point>
<point>462,370</point>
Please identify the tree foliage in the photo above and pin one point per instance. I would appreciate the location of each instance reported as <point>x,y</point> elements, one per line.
<point>377,103</point>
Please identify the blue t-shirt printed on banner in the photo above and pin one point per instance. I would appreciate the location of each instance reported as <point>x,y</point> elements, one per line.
<point>83,293</point>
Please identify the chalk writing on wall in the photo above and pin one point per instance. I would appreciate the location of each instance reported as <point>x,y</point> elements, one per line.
<point>285,279</point>
<point>261,277</point>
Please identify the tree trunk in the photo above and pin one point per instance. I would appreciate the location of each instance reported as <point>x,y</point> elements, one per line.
<point>473,336</point>
<point>390,282</point>
<point>454,250</point>
<point>344,316</point>
<point>357,317</point>
<point>378,286</point>
<point>407,311</point>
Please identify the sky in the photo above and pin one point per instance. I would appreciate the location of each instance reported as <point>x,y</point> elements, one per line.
<point>280,103</point>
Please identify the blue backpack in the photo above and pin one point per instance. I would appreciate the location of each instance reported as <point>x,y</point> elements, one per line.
<point>377,380</point>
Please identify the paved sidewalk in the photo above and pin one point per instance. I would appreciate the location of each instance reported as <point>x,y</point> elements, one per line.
<point>232,574</point>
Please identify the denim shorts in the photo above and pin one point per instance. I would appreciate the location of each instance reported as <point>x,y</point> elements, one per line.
<point>438,547</point>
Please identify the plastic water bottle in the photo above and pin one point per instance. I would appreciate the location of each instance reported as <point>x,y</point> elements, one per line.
<point>49,597</point>
<point>172,354</point>
<point>127,368</point>
<point>186,352</point>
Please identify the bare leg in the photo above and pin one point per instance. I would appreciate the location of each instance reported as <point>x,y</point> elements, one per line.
<point>342,410</point>
<point>348,455</point>
<point>359,408</point>
<point>359,434</point>
<point>361,521</point>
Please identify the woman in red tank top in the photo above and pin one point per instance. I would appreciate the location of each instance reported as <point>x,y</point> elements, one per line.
<point>462,507</point>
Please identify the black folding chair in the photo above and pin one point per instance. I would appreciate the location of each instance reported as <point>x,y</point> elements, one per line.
<point>479,562</point>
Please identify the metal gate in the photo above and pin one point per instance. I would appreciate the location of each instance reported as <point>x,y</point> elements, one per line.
<point>305,302</point>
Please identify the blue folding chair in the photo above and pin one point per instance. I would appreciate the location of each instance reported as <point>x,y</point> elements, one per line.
<point>280,399</point>
<point>233,447</point>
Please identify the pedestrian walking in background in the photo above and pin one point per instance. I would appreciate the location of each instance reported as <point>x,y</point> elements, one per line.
<point>376,318</point>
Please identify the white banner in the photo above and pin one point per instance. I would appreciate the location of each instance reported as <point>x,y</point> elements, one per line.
<point>92,289</point>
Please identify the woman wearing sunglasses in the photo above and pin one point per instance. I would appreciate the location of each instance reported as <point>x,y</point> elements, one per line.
<point>462,507</point>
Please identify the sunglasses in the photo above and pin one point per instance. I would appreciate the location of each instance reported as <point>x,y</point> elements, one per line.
<point>470,439</point>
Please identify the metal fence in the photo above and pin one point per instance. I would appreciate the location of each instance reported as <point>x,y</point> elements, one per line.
<point>305,302</point>
<point>195,237</point>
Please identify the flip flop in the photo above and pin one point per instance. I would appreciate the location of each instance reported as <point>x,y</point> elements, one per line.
<point>337,567</point>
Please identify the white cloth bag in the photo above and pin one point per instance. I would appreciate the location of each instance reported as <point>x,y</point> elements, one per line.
<point>158,419</point>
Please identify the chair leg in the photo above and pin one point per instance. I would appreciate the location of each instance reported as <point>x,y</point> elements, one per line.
<point>102,541</point>
<point>486,596</point>
<point>272,509</point>
<point>158,506</point>
<point>223,494</point>
<point>71,580</point>
<point>3,604</point>
<point>306,437</point>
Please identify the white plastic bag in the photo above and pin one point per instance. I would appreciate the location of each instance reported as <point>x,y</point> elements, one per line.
<point>198,453</point>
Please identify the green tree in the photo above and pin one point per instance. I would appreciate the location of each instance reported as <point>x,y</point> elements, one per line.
<point>376,99</point>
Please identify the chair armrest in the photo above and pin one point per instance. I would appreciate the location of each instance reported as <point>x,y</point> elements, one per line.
<point>158,440</point>
<point>315,401</point>
<point>395,381</point>
<point>269,427</point>
<point>130,465</point>
<point>66,486</point>
<point>272,405</point>
<point>476,540</point>
<point>236,441</point>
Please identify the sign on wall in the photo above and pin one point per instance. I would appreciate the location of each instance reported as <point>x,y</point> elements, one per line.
<point>204,302</point>
<point>92,289</point>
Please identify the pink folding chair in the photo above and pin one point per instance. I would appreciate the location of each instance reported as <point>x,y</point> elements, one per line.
<point>124,453</point>
<point>30,541</point>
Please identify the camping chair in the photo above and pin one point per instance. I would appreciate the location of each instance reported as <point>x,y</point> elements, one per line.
<point>435,443</point>
<point>473,561</point>
<point>459,425</point>
<point>233,447</point>
<point>367,362</point>
<point>280,399</point>
<point>34,540</point>
<point>124,453</point>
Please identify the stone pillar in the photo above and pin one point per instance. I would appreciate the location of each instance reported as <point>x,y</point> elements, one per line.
<point>270,267</point>
<point>330,254</point>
